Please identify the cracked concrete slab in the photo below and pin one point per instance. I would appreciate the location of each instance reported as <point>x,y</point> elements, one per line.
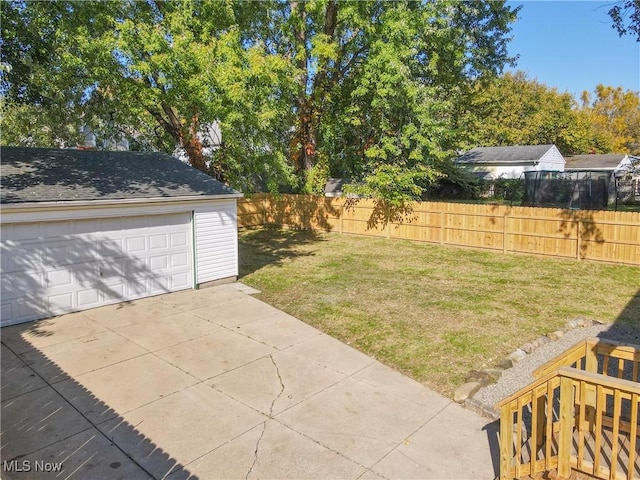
<point>278,330</point>
<point>214,354</point>
<point>283,454</point>
<point>256,383</point>
<point>362,422</point>
<point>217,384</point>
<point>175,421</point>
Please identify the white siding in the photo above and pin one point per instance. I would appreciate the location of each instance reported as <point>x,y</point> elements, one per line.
<point>216,236</point>
<point>552,160</point>
<point>511,171</point>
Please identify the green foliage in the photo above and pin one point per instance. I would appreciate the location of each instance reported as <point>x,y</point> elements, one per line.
<point>615,114</point>
<point>395,185</point>
<point>513,110</point>
<point>160,72</point>
<point>454,183</point>
<point>626,17</point>
<point>365,90</point>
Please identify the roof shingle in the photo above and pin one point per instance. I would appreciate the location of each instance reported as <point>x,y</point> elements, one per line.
<point>585,162</point>
<point>44,175</point>
<point>508,154</point>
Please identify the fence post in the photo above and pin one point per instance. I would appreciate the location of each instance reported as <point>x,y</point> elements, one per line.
<point>566,427</point>
<point>578,240</point>
<point>441,226</point>
<point>341,216</point>
<point>264,210</point>
<point>505,233</point>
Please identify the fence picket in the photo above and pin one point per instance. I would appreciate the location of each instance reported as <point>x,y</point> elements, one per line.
<point>592,235</point>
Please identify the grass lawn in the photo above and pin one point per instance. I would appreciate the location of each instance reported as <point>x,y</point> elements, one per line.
<point>431,312</point>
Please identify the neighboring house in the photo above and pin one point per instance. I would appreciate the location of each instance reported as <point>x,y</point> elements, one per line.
<point>81,229</point>
<point>333,187</point>
<point>490,163</point>
<point>91,142</point>
<point>617,163</point>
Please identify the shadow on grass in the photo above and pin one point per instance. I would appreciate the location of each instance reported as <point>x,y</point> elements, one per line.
<point>260,247</point>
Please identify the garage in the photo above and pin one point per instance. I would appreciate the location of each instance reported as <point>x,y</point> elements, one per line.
<point>82,229</point>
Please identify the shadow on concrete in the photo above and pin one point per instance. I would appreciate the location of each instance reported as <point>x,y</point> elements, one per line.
<point>493,438</point>
<point>260,247</point>
<point>42,427</point>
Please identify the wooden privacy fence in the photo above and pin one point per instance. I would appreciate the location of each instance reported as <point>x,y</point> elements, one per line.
<point>581,234</point>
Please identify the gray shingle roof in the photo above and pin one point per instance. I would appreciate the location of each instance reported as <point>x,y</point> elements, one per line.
<point>585,162</point>
<point>43,175</point>
<point>510,154</point>
<point>333,187</point>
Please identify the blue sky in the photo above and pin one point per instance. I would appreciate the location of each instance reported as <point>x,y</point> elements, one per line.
<point>572,46</point>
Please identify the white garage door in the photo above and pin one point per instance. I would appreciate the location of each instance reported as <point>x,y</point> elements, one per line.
<point>49,268</point>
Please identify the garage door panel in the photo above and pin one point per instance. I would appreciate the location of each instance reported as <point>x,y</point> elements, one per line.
<point>18,310</point>
<point>160,262</point>
<point>18,284</point>
<point>60,302</point>
<point>160,285</point>
<point>111,269</point>
<point>111,247</point>
<point>136,245</point>
<point>180,281</point>
<point>114,292</point>
<point>73,265</point>
<point>158,242</point>
<point>59,278</point>
<point>20,257</point>
<point>89,297</point>
<point>67,251</point>
<point>179,260</point>
<point>179,239</point>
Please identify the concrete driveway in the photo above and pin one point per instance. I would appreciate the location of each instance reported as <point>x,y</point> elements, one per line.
<point>216,384</point>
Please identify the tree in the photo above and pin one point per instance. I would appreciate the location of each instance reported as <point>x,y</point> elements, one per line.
<point>513,110</point>
<point>159,72</point>
<point>615,114</point>
<point>626,17</point>
<point>316,87</point>
<point>377,80</point>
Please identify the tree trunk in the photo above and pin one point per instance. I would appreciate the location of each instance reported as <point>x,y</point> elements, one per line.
<point>193,146</point>
<point>187,138</point>
<point>304,151</point>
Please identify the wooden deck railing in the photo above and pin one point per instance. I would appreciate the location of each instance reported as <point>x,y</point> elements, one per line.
<point>596,355</point>
<point>570,418</point>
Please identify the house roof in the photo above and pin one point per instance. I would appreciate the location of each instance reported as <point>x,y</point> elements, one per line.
<point>333,187</point>
<point>45,175</point>
<point>509,154</point>
<point>608,161</point>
